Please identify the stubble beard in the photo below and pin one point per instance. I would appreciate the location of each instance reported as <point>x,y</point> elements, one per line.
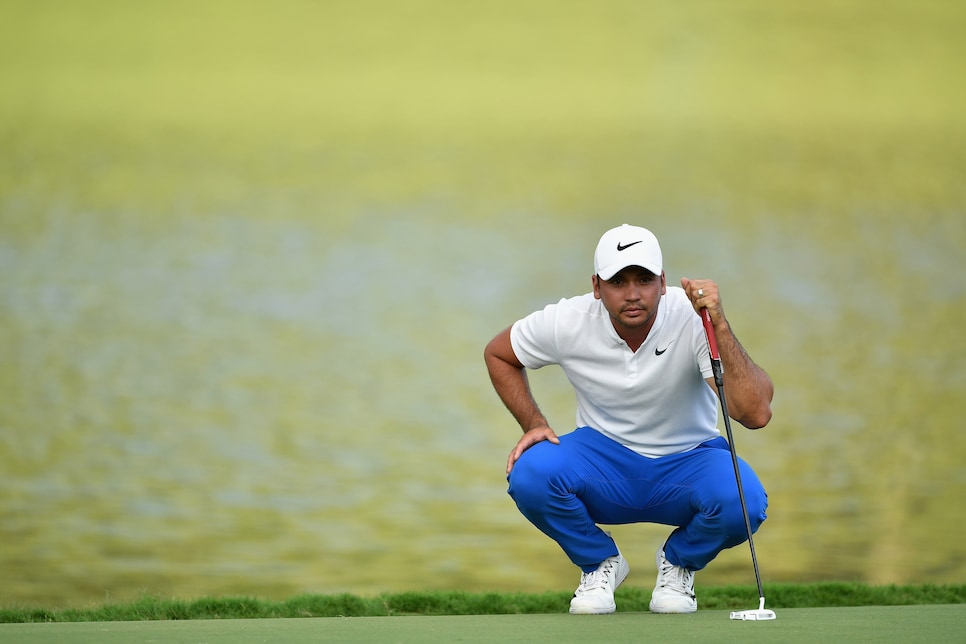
<point>633,323</point>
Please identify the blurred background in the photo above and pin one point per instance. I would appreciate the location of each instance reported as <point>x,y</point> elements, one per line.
<point>250,254</point>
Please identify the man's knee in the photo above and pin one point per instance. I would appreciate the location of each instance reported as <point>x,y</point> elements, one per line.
<point>733,518</point>
<point>534,474</point>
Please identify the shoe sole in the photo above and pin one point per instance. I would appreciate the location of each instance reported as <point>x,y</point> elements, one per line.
<point>685,611</point>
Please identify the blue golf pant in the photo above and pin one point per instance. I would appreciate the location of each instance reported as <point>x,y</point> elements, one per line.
<point>565,490</point>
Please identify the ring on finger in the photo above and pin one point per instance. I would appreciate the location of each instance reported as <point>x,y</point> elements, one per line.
<point>700,292</point>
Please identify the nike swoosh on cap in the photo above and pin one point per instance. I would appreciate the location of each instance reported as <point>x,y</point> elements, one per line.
<point>621,247</point>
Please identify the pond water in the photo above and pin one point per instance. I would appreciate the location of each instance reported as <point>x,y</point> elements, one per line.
<point>233,405</point>
<point>250,257</point>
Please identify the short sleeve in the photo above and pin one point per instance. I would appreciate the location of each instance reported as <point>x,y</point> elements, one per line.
<point>534,338</point>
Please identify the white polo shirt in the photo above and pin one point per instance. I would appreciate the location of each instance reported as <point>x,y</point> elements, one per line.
<point>655,400</point>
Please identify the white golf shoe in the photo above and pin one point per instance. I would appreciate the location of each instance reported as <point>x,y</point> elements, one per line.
<point>595,594</point>
<point>674,591</point>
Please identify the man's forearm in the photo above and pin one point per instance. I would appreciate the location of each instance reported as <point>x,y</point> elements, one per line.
<point>748,387</point>
<point>513,388</point>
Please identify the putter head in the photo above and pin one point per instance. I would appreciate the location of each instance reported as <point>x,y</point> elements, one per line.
<point>753,615</point>
<point>759,615</point>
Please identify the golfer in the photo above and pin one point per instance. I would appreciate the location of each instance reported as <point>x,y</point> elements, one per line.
<point>646,448</point>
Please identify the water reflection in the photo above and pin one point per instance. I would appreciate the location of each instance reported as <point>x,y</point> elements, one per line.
<point>232,406</point>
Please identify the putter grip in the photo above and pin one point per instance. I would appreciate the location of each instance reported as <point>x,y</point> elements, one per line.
<point>709,331</point>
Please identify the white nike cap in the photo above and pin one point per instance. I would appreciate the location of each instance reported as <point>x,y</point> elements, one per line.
<point>626,246</point>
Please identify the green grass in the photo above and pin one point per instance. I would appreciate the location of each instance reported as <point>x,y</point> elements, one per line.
<point>793,625</point>
<point>831,594</point>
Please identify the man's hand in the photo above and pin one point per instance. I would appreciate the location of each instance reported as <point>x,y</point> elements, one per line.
<point>704,295</point>
<point>529,439</point>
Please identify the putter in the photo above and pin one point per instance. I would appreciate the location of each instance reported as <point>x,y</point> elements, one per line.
<point>761,613</point>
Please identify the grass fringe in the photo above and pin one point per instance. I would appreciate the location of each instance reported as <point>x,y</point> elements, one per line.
<point>825,594</point>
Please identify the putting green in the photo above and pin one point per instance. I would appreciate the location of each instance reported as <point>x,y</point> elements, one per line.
<point>859,624</point>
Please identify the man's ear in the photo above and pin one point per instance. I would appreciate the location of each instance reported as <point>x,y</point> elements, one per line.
<point>596,282</point>
<point>663,283</point>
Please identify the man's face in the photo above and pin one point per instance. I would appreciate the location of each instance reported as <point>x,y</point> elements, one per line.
<point>631,297</point>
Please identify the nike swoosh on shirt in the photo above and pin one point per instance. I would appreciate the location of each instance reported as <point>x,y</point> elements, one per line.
<point>621,247</point>
<point>658,352</point>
